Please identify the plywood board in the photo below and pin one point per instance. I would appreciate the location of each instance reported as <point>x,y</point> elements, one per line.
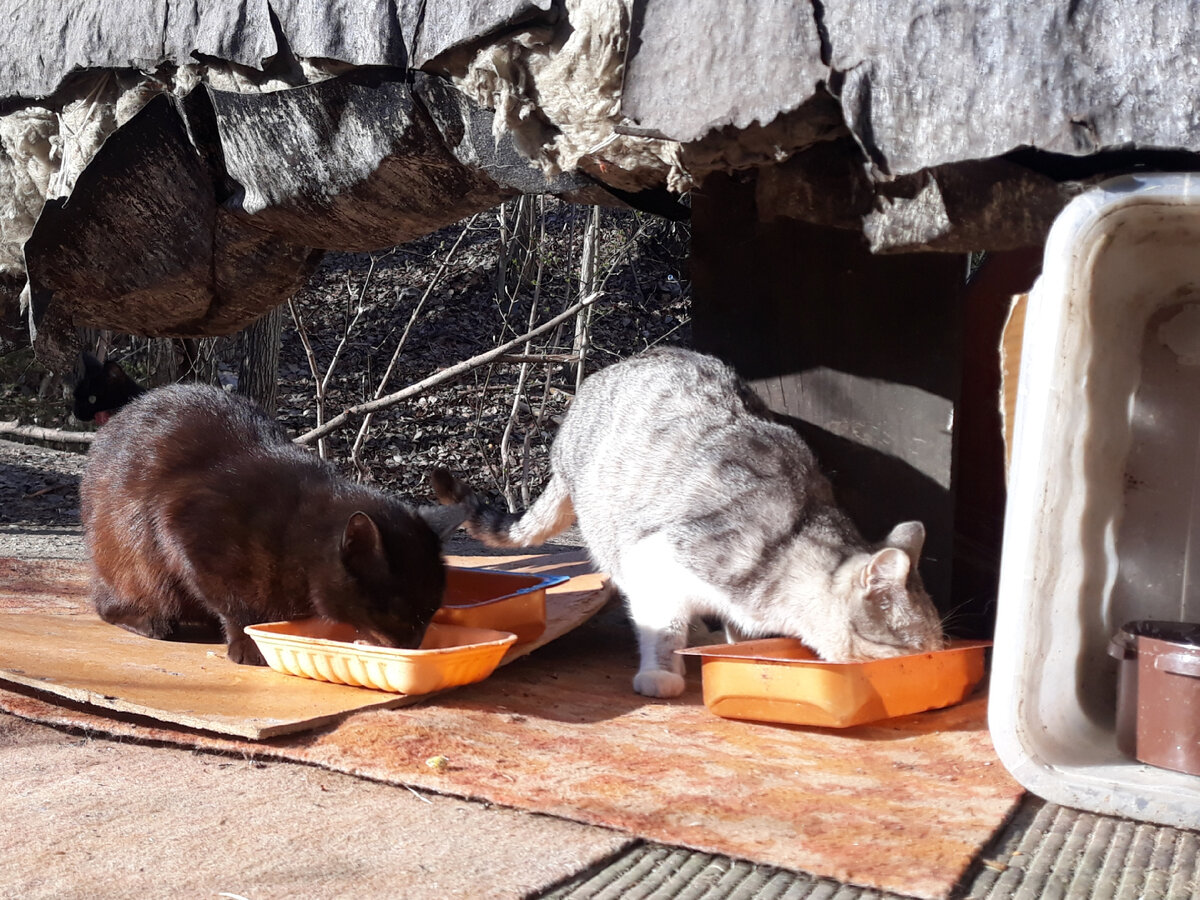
<point>80,658</point>
<point>88,661</point>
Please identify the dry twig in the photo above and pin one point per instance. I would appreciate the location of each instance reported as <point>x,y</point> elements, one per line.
<point>320,382</point>
<point>449,374</point>
<point>538,358</point>
<point>587,284</point>
<point>356,450</point>
<point>519,390</point>
<point>319,392</point>
<point>50,490</point>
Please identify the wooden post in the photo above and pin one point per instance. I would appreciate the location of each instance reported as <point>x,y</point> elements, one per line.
<point>978,476</point>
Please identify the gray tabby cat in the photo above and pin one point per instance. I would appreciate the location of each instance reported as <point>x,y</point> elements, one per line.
<point>697,503</point>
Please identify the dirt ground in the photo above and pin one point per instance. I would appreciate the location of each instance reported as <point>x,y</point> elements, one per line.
<point>83,815</point>
<point>413,310</point>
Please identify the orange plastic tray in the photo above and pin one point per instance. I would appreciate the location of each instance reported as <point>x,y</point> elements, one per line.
<point>781,680</point>
<point>450,655</point>
<point>505,601</point>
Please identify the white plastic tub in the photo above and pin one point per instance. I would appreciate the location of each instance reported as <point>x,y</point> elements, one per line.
<point>1103,518</point>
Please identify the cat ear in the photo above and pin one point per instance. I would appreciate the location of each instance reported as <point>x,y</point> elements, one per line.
<point>909,537</point>
<point>361,540</point>
<point>457,499</point>
<point>90,363</point>
<point>444,519</point>
<point>448,489</point>
<point>113,373</point>
<point>886,568</point>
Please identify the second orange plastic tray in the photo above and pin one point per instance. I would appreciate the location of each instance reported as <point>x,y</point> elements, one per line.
<point>781,680</point>
<point>505,601</point>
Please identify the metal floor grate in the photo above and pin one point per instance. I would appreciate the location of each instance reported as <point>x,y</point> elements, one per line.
<point>1044,851</point>
<point>656,872</point>
<point>1051,851</point>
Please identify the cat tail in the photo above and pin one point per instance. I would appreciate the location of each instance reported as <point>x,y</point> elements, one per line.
<point>550,514</point>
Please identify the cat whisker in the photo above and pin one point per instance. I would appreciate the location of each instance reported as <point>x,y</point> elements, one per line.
<point>953,616</point>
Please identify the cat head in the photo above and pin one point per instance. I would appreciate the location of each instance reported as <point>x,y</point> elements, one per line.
<point>395,577</point>
<point>880,607</point>
<point>102,389</point>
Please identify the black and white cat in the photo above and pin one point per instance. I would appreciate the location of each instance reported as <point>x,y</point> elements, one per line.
<point>698,503</point>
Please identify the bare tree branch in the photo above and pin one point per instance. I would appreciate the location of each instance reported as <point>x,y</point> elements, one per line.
<point>37,433</point>
<point>360,438</point>
<point>587,284</point>
<point>318,384</point>
<point>443,376</point>
<point>523,374</point>
<point>359,308</point>
<point>321,383</point>
<point>538,358</point>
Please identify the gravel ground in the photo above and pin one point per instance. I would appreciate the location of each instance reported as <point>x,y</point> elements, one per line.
<point>39,507</point>
<point>39,486</point>
<point>39,501</point>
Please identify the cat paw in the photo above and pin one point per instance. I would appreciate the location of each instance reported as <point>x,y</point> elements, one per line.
<point>245,652</point>
<point>657,683</point>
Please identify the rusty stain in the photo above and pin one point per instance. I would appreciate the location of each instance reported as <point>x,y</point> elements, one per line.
<point>842,805</point>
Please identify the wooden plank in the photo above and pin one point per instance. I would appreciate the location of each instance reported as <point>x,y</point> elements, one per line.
<point>82,659</point>
<point>979,454</point>
<point>1010,369</point>
<point>88,661</point>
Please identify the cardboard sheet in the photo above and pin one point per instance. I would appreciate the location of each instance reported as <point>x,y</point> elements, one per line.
<point>1010,370</point>
<point>80,658</point>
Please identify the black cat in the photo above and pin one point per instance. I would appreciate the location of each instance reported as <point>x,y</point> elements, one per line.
<point>197,508</point>
<point>102,390</point>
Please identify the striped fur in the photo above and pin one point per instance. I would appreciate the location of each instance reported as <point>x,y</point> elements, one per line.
<point>698,503</point>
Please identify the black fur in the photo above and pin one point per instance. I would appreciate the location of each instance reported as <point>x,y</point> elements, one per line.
<point>103,389</point>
